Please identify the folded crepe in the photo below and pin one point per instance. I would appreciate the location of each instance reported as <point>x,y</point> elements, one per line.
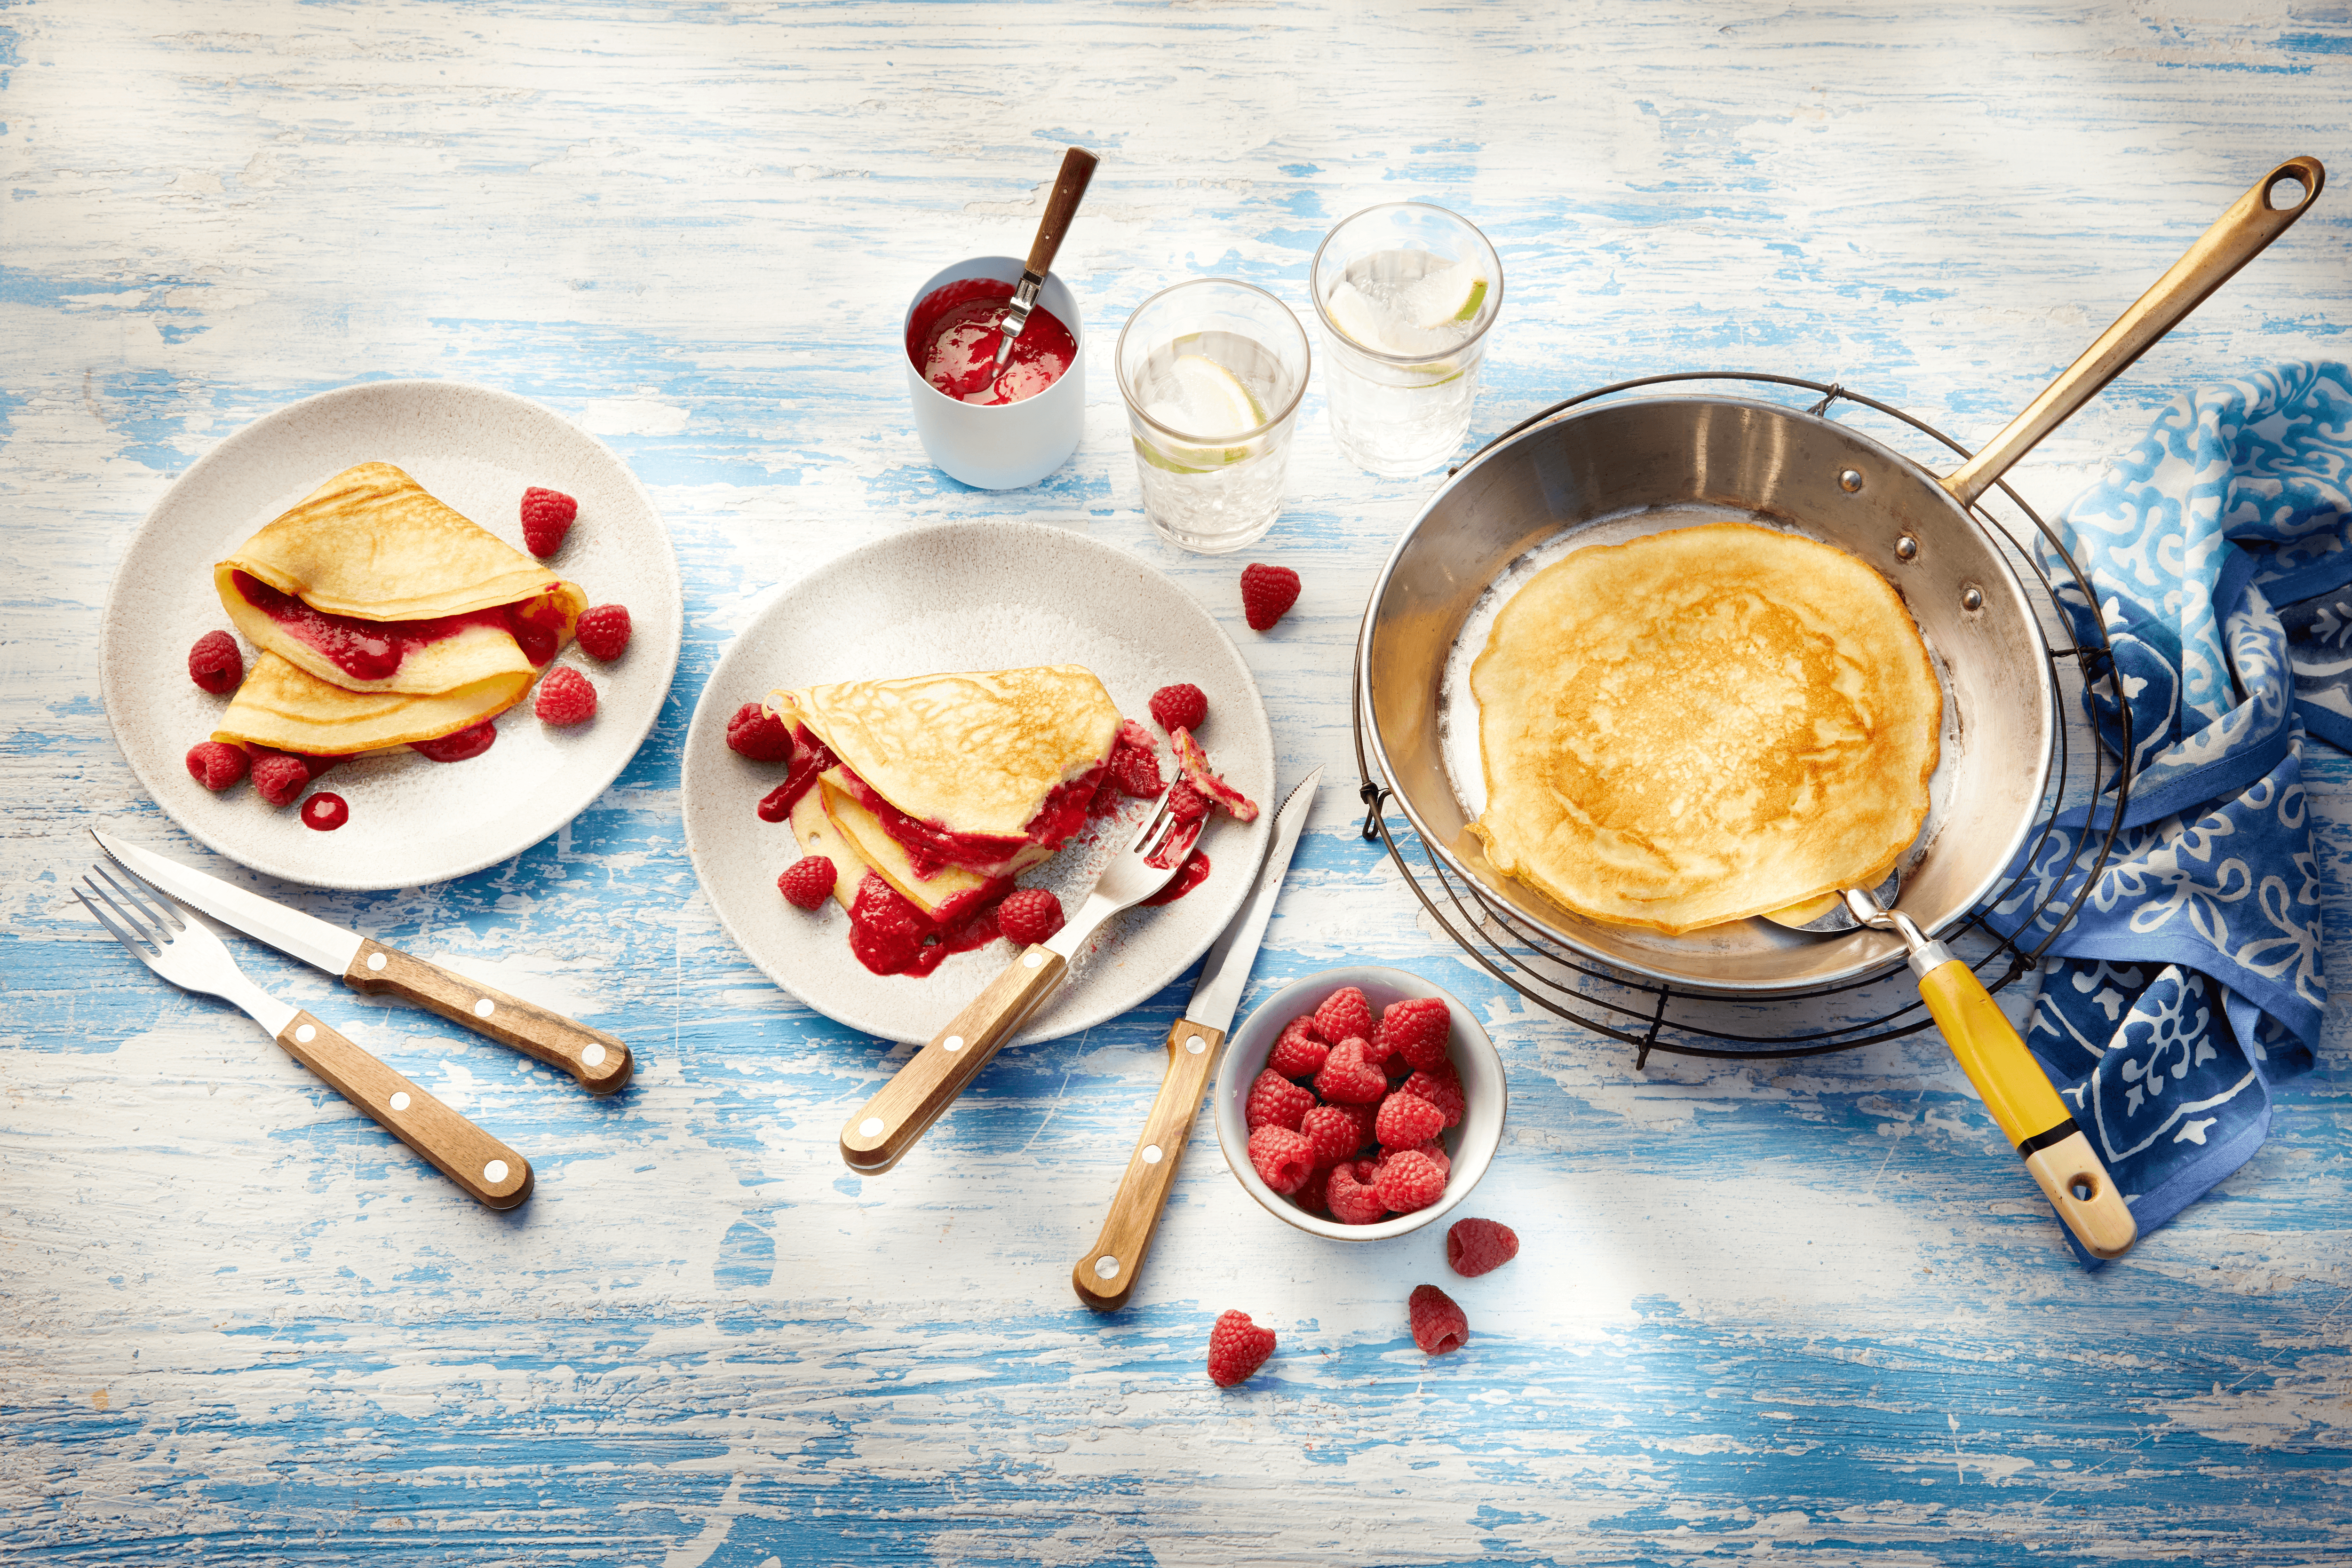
<point>373,585</point>
<point>874,849</point>
<point>289,709</point>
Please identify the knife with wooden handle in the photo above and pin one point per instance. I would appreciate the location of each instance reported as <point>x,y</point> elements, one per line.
<point>599,1062</point>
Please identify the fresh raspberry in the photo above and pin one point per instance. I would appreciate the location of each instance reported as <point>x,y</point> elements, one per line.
<point>1442,1089</point>
<point>1284,1158</point>
<point>1184,803</point>
<point>471,741</point>
<point>546,518</point>
<point>215,663</point>
<point>1275,1102</point>
<point>1407,1120</point>
<point>1409,1181</point>
<point>1418,1027</point>
<point>807,882</point>
<point>565,698</point>
<point>278,777</point>
<point>1136,772</point>
<point>1365,1117</point>
<point>1316,1195</point>
<point>1333,1133</point>
<point>1438,1323</point>
<point>1348,1078</point>
<point>756,734</point>
<point>216,765</point>
<point>604,632</point>
<point>1267,594</point>
<point>1345,1015</point>
<point>1476,1247</point>
<point>1351,1200</point>
<point>1029,916</point>
<point>1179,706</point>
<point>1395,1069</point>
<point>1298,1054</point>
<point>1434,1151</point>
<point>1237,1347</point>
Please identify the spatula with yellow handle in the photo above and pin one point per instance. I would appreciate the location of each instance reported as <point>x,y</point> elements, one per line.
<point>2007,1078</point>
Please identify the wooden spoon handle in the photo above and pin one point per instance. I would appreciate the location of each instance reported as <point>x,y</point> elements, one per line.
<point>599,1061</point>
<point>492,1174</point>
<point>880,1135</point>
<point>1069,189</point>
<point>1105,1276</point>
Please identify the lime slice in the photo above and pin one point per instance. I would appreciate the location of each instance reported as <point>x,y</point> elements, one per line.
<point>1206,400</point>
<point>1452,293</point>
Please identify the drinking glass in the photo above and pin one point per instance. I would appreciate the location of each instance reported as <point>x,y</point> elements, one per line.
<point>1212,372</point>
<point>1406,292</point>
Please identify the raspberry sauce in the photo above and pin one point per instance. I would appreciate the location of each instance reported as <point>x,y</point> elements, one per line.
<point>471,741</point>
<point>891,936</point>
<point>1190,875</point>
<point>952,339</point>
<point>374,650</point>
<point>325,811</point>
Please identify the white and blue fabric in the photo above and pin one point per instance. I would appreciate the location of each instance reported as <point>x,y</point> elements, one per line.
<point>2218,550</point>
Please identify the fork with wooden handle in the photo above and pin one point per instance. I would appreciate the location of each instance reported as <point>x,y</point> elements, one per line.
<point>880,1135</point>
<point>185,952</point>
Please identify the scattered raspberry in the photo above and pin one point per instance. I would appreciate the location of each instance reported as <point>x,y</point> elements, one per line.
<point>1275,1102</point>
<point>1476,1247</point>
<point>565,698</point>
<point>1350,1201</point>
<point>1029,916</point>
<point>1179,706</point>
<point>1298,1054</point>
<point>1316,1194</point>
<point>1345,1015</point>
<point>604,632</point>
<point>216,765</point>
<point>1347,1076</point>
<point>1409,1181</point>
<point>1438,1323</point>
<point>1407,1120</point>
<point>278,777</point>
<point>807,882</point>
<point>471,741</point>
<point>1184,803</point>
<point>756,734</point>
<point>1284,1158</point>
<point>214,663</point>
<point>1442,1089</point>
<point>1237,1347</point>
<point>1136,772</point>
<point>1417,1027</point>
<point>1333,1133</point>
<point>1267,594</point>
<point>1192,767</point>
<point>546,518</point>
<point>325,811</point>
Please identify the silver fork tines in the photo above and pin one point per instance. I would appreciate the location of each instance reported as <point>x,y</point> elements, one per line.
<point>155,918</point>
<point>174,944</point>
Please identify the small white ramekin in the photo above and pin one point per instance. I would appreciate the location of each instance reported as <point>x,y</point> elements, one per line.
<point>1000,446</point>
<point>1471,1146</point>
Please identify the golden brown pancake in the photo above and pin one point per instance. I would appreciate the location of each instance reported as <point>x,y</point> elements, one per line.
<point>1703,725</point>
<point>817,835</point>
<point>290,709</point>
<point>876,848</point>
<point>975,753</point>
<point>371,545</point>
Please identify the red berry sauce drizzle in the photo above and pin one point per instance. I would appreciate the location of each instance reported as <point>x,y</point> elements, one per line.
<point>952,339</point>
<point>374,650</point>
<point>325,811</point>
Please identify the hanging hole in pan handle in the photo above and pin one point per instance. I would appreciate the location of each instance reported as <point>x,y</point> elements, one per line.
<point>2294,184</point>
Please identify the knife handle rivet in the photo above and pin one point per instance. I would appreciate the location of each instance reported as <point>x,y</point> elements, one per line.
<point>954,1043</point>
<point>594,1055</point>
<point>400,1101</point>
<point>485,1008</point>
<point>1196,1045</point>
<point>1033,961</point>
<point>495,1172</point>
<point>375,961</point>
<point>1105,1267</point>
<point>870,1128</point>
<point>306,1034</point>
<point>1151,1154</point>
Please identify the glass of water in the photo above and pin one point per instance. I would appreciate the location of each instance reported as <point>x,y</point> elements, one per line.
<point>1406,292</point>
<point>1212,372</point>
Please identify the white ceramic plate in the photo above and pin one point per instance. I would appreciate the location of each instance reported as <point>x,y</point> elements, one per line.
<point>412,822</point>
<point>976,596</point>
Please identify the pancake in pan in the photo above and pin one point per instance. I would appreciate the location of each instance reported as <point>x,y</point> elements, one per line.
<point>1703,725</point>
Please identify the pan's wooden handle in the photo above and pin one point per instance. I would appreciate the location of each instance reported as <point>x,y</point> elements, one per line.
<point>599,1061</point>
<point>2239,236</point>
<point>880,1135</point>
<point>492,1174</point>
<point>2031,1116</point>
<point>1070,190</point>
<point>1105,1276</point>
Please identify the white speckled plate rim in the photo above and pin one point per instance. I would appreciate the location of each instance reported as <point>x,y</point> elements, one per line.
<point>413,821</point>
<point>967,596</point>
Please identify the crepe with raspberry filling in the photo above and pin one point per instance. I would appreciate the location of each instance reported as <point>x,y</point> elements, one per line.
<point>289,709</point>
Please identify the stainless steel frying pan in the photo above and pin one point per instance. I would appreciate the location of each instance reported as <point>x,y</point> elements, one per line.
<point>1610,473</point>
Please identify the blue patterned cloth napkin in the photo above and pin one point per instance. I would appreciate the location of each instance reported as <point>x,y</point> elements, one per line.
<point>2219,550</point>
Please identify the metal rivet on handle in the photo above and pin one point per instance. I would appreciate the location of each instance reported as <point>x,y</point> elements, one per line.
<point>870,1128</point>
<point>1850,481</point>
<point>306,1034</point>
<point>1034,960</point>
<point>1105,1267</point>
<point>1907,549</point>
<point>1196,1045</point>
<point>594,1055</point>
<point>485,1008</point>
<point>495,1172</point>
<point>1973,599</point>
<point>953,1042</point>
<point>1151,1154</point>
<point>400,1101</point>
<point>375,961</point>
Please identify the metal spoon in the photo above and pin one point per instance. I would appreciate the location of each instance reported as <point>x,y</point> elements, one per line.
<point>1069,189</point>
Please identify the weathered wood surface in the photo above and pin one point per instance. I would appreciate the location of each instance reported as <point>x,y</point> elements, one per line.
<point>1805,1309</point>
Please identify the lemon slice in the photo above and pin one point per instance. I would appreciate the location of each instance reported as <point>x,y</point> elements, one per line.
<point>1452,293</point>
<point>1206,400</point>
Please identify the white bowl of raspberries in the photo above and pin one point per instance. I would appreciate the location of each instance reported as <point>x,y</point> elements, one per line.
<point>1359,1103</point>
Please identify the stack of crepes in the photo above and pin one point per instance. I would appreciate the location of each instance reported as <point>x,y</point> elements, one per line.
<point>385,618</point>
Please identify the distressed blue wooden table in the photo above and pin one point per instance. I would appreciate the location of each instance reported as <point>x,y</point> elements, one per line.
<point>1800,1311</point>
